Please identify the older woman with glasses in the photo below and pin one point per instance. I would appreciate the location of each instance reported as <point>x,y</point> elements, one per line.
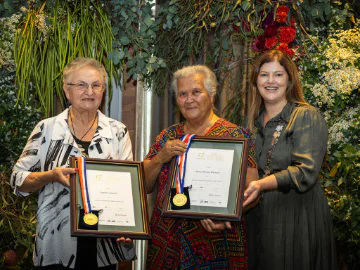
<point>44,165</point>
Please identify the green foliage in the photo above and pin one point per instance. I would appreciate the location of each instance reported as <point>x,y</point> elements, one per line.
<point>50,36</point>
<point>8,7</point>
<point>16,122</point>
<point>189,29</point>
<point>17,215</point>
<point>134,32</point>
<point>343,192</point>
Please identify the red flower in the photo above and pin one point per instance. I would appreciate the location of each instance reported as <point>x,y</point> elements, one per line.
<point>292,22</point>
<point>284,47</point>
<point>282,13</point>
<point>236,28</point>
<point>287,34</point>
<point>270,31</point>
<point>271,42</point>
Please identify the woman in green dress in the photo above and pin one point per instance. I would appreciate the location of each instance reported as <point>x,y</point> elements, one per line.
<point>295,225</point>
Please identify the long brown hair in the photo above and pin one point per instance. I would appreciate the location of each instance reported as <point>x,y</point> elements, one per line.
<point>294,91</point>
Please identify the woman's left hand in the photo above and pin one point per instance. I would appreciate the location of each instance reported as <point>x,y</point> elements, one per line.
<point>215,226</point>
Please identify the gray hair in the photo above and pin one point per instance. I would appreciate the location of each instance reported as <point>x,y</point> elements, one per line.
<point>210,81</point>
<point>80,62</point>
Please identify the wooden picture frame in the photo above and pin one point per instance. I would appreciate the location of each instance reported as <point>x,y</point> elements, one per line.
<point>131,173</point>
<point>202,160</point>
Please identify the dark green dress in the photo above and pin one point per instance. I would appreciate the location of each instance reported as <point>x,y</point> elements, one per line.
<point>295,222</point>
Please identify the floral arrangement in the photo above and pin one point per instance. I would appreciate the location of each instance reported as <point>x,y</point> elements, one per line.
<point>337,85</point>
<point>279,32</point>
<point>7,32</point>
<point>331,82</point>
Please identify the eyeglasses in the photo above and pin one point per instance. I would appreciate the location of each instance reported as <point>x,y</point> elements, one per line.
<point>96,87</point>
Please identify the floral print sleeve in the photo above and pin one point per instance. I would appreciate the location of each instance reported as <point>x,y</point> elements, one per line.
<point>170,133</point>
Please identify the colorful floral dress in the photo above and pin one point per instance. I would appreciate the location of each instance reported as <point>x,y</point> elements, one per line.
<point>183,243</point>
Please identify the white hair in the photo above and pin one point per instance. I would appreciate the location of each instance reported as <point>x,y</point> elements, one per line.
<point>210,81</point>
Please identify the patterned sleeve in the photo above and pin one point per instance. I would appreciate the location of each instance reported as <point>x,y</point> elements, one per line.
<point>251,151</point>
<point>29,161</point>
<point>166,134</point>
<point>158,144</point>
<point>125,146</point>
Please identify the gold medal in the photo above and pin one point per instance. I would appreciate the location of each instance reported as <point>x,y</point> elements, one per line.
<point>179,199</point>
<point>90,219</point>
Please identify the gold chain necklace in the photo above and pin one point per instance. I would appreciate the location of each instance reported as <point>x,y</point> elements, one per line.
<point>72,125</point>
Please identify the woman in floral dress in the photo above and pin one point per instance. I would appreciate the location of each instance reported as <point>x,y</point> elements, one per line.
<point>188,243</point>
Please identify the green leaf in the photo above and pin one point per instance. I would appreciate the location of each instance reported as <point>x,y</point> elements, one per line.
<point>173,10</point>
<point>225,44</point>
<point>141,64</point>
<point>124,15</point>
<point>327,183</point>
<point>125,41</point>
<point>315,12</point>
<point>148,21</point>
<point>245,5</point>
<point>7,5</point>
<point>115,30</point>
<point>327,10</point>
<point>121,54</point>
<point>149,68</point>
<point>129,64</point>
<point>340,181</point>
<point>152,59</point>
<point>155,66</point>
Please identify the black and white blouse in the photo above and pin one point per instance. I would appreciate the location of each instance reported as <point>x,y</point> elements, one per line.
<point>50,145</point>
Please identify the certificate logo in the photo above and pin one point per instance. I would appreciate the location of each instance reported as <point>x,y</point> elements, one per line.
<point>201,156</point>
<point>215,156</point>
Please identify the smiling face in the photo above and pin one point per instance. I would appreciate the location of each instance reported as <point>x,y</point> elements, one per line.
<point>193,99</point>
<point>272,83</point>
<point>88,100</point>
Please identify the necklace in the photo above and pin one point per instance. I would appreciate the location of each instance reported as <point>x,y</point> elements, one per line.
<point>72,125</point>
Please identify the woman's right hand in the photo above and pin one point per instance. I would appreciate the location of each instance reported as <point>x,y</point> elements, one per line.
<point>36,180</point>
<point>62,175</point>
<point>153,166</point>
<point>252,192</point>
<point>171,148</point>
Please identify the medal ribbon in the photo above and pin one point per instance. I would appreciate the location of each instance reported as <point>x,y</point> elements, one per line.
<point>83,184</point>
<point>181,164</point>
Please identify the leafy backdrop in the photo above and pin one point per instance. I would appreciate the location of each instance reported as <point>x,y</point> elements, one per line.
<point>321,35</point>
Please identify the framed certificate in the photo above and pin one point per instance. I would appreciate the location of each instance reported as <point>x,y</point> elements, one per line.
<point>115,190</point>
<point>214,179</point>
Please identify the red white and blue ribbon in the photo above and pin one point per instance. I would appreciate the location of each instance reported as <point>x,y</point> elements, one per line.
<point>181,164</point>
<point>83,184</point>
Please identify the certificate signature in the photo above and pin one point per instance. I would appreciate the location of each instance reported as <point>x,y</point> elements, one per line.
<point>111,192</point>
<point>208,171</point>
